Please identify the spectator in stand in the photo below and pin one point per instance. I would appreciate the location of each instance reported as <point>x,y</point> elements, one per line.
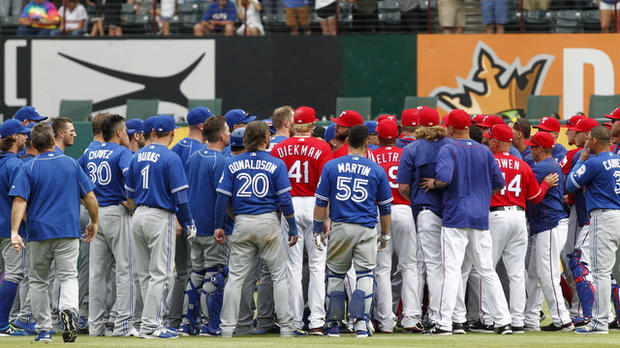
<point>413,15</point>
<point>326,11</point>
<point>39,17</point>
<point>10,7</point>
<point>72,19</point>
<point>166,12</point>
<point>531,5</point>
<point>220,15</point>
<point>364,15</point>
<point>112,17</point>
<point>607,14</point>
<point>451,16</point>
<point>297,15</point>
<point>494,15</point>
<point>97,21</point>
<point>253,21</point>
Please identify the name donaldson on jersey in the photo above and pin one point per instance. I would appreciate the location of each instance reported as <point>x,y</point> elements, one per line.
<point>252,164</point>
<point>299,150</point>
<point>353,168</point>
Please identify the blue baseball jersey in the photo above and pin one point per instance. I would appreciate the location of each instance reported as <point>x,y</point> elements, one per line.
<point>52,184</point>
<point>471,172</point>
<point>254,180</point>
<point>9,166</point>
<point>402,142</point>
<point>275,141</point>
<point>185,148</point>
<point>372,147</point>
<point>205,169</point>
<point>559,152</point>
<point>25,159</point>
<point>154,176</point>
<point>418,161</point>
<point>353,186</point>
<point>513,151</point>
<point>106,165</point>
<point>527,156</point>
<point>214,12</point>
<point>226,151</point>
<point>583,218</point>
<point>546,214</point>
<point>600,175</point>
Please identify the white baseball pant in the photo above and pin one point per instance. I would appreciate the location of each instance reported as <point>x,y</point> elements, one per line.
<point>429,234</point>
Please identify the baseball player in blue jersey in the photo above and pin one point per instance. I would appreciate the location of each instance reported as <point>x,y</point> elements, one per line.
<point>48,190</point>
<point>552,126</point>
<point>353,186</point>
<point>468,172</point>
<point>64,133</point>
<point>205,289</point>
<point>282,120</point>
<point>157,186</point>
<point>28,115</point>
<point>135,132</point>
<point>106,165</point>
<point>549,228</point>
<point>185,148</point>
<point>13,136</point>
<point>148,129</point>
<point>236,118</point>
<point>257,185</point>
<point>598,170</point>
<point>521,130</point>
<point>418,161</point>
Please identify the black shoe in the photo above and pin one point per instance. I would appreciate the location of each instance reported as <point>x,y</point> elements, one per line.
<point>565,327</point>
<point>68,321</point>
<point>542,316</point>
<point>614,325</point>
<point>518,330</point>
<point>458,329</point>
<point>438,332</point>
<point>417,328</point>
<point>479,327</point>
<point>504,330</point>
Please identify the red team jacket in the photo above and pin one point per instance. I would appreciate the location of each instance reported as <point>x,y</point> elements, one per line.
<point>388,158</point>
<point>519,177</point>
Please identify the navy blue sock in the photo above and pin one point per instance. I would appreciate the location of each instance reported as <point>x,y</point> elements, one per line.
<point>8,291</point>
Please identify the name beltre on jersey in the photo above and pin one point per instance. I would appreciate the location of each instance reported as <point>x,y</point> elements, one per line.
<point>387,157</point>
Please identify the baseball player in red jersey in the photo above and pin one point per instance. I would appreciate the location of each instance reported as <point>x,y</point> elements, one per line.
<point>305,157</point>
<point>344,122</point>
<point>404,243</point>
<point>507,221</point>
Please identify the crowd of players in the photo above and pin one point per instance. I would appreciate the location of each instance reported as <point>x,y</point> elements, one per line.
<point>441,227</point>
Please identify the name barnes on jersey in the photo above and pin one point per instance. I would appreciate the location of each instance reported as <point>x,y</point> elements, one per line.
<point>348,167</point>
<point>252,164</point>
<point>299,150</point>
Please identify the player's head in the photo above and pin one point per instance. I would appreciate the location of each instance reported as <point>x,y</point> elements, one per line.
<point>42,137</point>
<point>345,121</point>
<point>238,118</point>
<point>486,123</point>
<point>98,121</point>
<point>410,119</point>
<point>13,135</point>
<point>215,130</point>
<point>581,130</point>
<point>114,130</point>
<point>499,138</point>
<point>256,136</point>
<point>27,115</point>
<point>358,138</point>
<point>521,130</point>
<point>64,131</point>
<point>148,128</point>
<point>598,139</point>
<point>458,123</point>
<point>551,125</point>
<point>236,141</point>
<point>429,127</point>
<point>135,133</point>
<point>373,137</point>
<point>570,132</point>
<point>282,119</point>
<point>304,120</point>
<point>614,129</point>
<point>387,132</point>
<point>197,116</point>
<point>163,129</point>
<point>541,145</point>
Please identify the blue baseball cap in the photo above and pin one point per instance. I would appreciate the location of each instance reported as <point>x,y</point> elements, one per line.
<point>28,113</point>
<point>135,125</point>
<point>236,137</point>
<point>12,126</point>
<point>164,123</point>
<point>198,115</point>
<point>269,122</point>
<point>330,132</point>
<point>372,126</point>
<point>149,124</point>
<point>236,116</point>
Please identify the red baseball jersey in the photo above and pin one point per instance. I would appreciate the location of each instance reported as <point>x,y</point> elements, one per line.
<point>567,163</point>
<point>344,150</point>
<point>521,184</point>
<point>304,157</point>
<point>388,157</point>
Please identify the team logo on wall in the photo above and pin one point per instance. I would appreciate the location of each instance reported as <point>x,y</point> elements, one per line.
<point>494,86</point>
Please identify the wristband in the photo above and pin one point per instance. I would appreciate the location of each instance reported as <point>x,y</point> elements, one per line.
<point>317,226</point>
<point>292,226</point>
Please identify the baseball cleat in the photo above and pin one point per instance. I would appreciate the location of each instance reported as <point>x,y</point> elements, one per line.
<point>504,330</point>
<point>317,331</point>
<point>361,334</point>
<point>68,321</point>
<point>531,328</point>
<point>614,325</point>
<point>83,324</point>
<point>416,328</point>
<point>589,331</point>
<point>44,337</point>
<point>160,333</point>
<point>580,321</point>
<point>458,329</point>
<point>518,330</point>
<point>438,332</point>
<point>333,330</point>
<point>563,327</point>
<point>479,327</point>
<point>183,330</point>
<point>11,330</point>
<point>28,327</point>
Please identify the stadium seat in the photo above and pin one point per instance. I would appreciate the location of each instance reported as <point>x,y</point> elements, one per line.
<point>412,102</point>
<point>359,104</point>
<point>538,21</point>
<point>601,105</point>
<point>188,7</point>
<point>568,21</point>
<point>345,16</point>
<point>389,14</point>
<point>215,105</point>
<point>9,25</point>
<point>592,21</point>
<point>539,106</point>
<point>76,110</point>
<point>141,108</point>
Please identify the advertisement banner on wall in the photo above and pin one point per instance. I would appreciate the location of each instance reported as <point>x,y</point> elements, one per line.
<point>486,74</point>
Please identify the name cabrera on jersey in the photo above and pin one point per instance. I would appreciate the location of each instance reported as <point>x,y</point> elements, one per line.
<point>388,158</point>
<point>600,174</point>
<point>353,186</point>
<point>154,175</point>
<point>254,180</point>
<point>106,165</point>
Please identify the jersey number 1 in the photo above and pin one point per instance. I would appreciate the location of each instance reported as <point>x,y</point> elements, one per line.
<point>145,177</point>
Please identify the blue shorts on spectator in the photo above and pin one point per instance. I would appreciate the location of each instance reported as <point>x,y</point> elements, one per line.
<point>494,11</point>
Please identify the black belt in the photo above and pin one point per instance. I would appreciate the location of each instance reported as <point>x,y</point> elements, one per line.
<point>506,208</point>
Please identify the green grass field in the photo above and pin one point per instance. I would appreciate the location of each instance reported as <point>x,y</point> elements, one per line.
<point>534,339</point>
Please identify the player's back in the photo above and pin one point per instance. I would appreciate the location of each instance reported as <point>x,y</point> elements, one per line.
<point>344,150</point>
<point>388,158</point>
<point>521,183</point>
<point>9,165</point>
<point>354,186</point>
<point>106,165</point>
<point>304,157</point>
<point>204,171</point>
<point>545,215</point>
<point>603,191</point>
<point>185,148</point>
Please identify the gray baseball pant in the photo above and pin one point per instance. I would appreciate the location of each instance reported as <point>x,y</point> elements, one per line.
<point>15,270</point>
<point>83,264</point>
<point>182,265</point>
<point>247,304</point>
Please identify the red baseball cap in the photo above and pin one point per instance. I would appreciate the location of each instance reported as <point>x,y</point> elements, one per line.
<point>608,125</point>
<point>459,119</point>
<point>572,121</point>
<point>428,117</point>
<point>585,125</point>
<point>387,129</point>
<point>615,115</point>
<point>500,132</point>
<point>409,117</point>
<point>549,124</point>
<point>386,117</point>
<point>349,118</point>
<point>543,139</point>
<point>304,114</point>
<point>444,121</point>
<point>477,119</point>
<point>490,120</point>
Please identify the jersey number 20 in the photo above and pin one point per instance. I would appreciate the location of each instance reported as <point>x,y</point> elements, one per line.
<point>257,185</point>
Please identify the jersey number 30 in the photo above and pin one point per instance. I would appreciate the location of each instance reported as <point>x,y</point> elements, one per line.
<point>356,192</point>
<point>99,174</point>
<point>514,186</point>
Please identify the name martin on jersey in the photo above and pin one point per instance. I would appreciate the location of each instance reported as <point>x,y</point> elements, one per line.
<point>353,168</point>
